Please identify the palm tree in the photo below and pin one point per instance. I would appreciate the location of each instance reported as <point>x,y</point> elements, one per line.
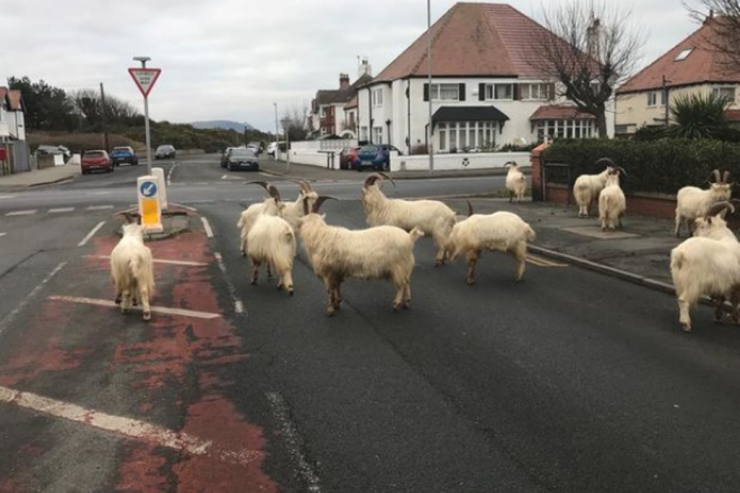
<point>699,116</point>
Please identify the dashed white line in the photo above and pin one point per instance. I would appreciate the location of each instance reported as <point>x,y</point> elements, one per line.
<point>236,301</point>
<point>169,174</point>
<point>22,213</point>
<point>7,196</point>
<point>3,234</point>
<point>159,261</point>
<point>131,428</point>
<point>156,309</point>
<point>207,226</point>
<point>91,234</point>
<point>5,323</point>
<point>61,209</point>
<point>101,193</point>
<point>192,209</point>
<point>99,207</point>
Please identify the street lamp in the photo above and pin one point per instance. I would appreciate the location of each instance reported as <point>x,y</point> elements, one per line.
<point>285,122</point>
<point>143,60</point>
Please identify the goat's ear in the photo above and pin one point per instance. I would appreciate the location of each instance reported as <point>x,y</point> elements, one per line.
<point>709,220</point>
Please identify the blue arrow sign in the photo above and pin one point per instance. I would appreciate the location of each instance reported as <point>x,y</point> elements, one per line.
<point>148,189</point>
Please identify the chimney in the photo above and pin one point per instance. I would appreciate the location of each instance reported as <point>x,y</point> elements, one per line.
<point>709,17</point>
<point>364,68</point>
<point>593,37</point>
<point>343,82</point>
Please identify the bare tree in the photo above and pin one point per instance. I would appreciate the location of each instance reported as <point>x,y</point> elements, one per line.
<point>725,35</point>
<point>295,119</point>
<point>589,50</point>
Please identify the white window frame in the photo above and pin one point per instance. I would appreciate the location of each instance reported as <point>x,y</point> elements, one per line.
<point>377,135</point>
<point>683,55</point>
<point>491,93</point>
<point>538,91</point>
<point>717,92</point>
<point>652,99</point>
<point>436,92</point>
<point>377,97</point>
<point>574,129</point>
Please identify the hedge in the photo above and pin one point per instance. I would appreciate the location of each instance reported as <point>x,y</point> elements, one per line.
<point>661,166</point>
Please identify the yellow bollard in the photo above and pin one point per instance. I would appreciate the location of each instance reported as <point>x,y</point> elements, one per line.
<point>150,207</point>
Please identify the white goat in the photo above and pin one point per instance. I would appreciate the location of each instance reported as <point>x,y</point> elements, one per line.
<point>500,231</point>
<point>272,240</point>
<point>612,202</point>
<point>693,202</point>
<point>707,265</point>
<point>431,217</point>
<point>271,206</point>
<point>337,254</point>
<point>293,211</point>
<point>132,269</point>
<point>516,182</point>
<point>586,189</point>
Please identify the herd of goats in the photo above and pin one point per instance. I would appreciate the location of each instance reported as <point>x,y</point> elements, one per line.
<point>707,264</point>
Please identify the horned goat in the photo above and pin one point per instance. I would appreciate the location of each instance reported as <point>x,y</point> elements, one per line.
<point>612,202</point>
<point>336,254</point>
<point>431,217</point>
<point>132,269</point>
<point>586,189</point>
<point>693,202</point>
<point>707,265</point>
<point>272,241</point>
<point>293,211</point>
<point>500,231</point>
<point>271,206</point>
<point>516,182</point>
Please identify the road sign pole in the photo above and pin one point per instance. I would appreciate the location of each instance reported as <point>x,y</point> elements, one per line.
<point>148,137</point>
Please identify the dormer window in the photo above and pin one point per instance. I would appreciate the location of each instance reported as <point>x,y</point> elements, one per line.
<point>683,55</point>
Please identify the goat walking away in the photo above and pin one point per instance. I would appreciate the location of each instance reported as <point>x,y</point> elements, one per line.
<point>693,203</point>
<point>272,241</point>
<point>132,269</point>
<point>587,188</point>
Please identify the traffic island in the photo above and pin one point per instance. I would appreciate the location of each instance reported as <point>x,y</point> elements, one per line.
<point>175,220</point>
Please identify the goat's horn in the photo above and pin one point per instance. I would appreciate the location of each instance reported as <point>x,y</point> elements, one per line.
<point>606,161</point>
<point>725,176</point>
<point>370,180</point>
<point>319,201</point>
<point>305,206</point>
<point>305,186</point>
<point>273,191</point>
<point>716,175</point>
<point>510,163</point>
<point>386,176</point>
<point>719,207</point>
<point>470,208</point>
<point>263,184</point>
<point>622,170</point>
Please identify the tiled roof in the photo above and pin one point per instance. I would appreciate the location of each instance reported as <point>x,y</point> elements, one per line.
<point>559,112</point>
<point>475,39</point>
<point>337,96</point>
<point>353,103</point>
<point>703,64</point>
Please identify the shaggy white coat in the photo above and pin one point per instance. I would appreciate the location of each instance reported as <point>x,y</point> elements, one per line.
<point>272,241</point>
<point>516,183</point>
<point>586,189</point>
<point>612,204</point>
<point>693,203</point>
<point>132,270</point>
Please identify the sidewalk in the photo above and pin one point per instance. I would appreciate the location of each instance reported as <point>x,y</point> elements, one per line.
<point>315,173</point>
<point>38,177</point>
<point>638,253</point>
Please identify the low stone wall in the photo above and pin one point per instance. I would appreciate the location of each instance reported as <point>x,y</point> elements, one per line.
<point>459,162</point>
<point>309,157</point>
<point>643,204</point>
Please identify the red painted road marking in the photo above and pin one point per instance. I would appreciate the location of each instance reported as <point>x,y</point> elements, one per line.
<point>128,427</point>
<point>155,309</point>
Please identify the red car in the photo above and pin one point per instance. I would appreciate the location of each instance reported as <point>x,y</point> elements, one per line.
<point>347,157</point>
<point>96,160</point>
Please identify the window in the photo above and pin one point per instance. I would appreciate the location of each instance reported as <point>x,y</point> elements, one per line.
<point>662,97</point>
<point>574,129</point>
<point>322,112</point>
<point>500,91</point>
<point>726,93</point>
<point>377,96</point>
<point>363,133</point>
<point>377,135</point>
<point>683,55</point>
<point>442,137</point>
<point>535,91</point>
<point>453,137</point>
<point>652,98</point>
<point>445,92</point>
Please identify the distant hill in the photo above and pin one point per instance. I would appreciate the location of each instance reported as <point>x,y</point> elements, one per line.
<point>223,124</point>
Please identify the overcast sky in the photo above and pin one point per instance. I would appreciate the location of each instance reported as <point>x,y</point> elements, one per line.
<point>230,59</point>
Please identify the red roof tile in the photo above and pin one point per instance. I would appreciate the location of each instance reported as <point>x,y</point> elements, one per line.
<point>703,64</point>
<point>474,39</point>
<point>554,112</point>
<point>15,99</point>
<point>353,103</point>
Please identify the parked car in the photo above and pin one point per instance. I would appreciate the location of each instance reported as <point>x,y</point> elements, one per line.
<point>347,157</point>
<point>377,157</point>
<point>225,156</point>
<point>241,158</point>
<point>256,147</point>
<point>165,151</point>
<point>124,155</point>
<point>96,160</point>
<point>53,150</point>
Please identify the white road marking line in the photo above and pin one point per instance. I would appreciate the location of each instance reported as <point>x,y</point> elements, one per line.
<point>7,196</point>
<point>22,213</point>
<point>101,193</point>
<point>238,304</point>
<point>543,262</point>
<point>293,441</point>
<point>160,261</point>
<point>4,323</point>
<point>156,309</point>
<point>207,226</point>
<point>192,209</point>
<point>169,174</point>
<point>3,234</point>
<point>131,428</point>
<point>61,209</point>
<point>205,201</point>
<point>91,234</point>
<point>99,207</point>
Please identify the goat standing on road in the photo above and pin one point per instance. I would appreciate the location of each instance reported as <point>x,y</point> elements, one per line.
<point>132,269</point>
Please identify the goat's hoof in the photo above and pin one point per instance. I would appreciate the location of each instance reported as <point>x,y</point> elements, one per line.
<point>290,292</point>
<point>397,307</point>
<point>330,312</point>
<point>118,301</point>
<point>470,281</point>
<point>253,282</point>
<point>147,316</point>
<point>686,327</point>
<point>135,302</point>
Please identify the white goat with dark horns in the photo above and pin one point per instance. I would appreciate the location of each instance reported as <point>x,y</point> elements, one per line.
<point>693,202</point>
<point>516,182</point>
<point>272,241</point>
<point>337,254</point>
<point>431,217</point>
<point>132,268</point>
<point>586,189</point>
<point>271,206</point>
<point>612,202</point>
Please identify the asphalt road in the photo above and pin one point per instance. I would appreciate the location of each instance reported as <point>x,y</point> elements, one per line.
<point>569,381</point>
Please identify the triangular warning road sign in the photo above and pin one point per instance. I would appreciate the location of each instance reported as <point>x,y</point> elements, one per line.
<point>145,78</point>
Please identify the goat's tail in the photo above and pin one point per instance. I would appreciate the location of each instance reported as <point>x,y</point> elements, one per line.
<point>678,260</point>
<point>240,224</point>
<point>415,234</point>
<point>143,270</point>
<point>531,235</point>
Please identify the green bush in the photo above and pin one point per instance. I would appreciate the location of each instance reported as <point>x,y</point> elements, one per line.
<point>662,166</point>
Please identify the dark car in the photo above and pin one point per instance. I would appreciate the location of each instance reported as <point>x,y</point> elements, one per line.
<point>256,147</point>
<point>377,157</point>
<point>225,155</point>
<point>347,157</point>
<point>241,158</point>
<point>124,155</point>
<point>165,151</point>
<point>95,161</point>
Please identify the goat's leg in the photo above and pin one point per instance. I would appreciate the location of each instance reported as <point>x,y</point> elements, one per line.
<point>398,301</point>
<point>126,299</point>
<point>677,229</point>
<point>407,295</point>
<point>719,302</point>
<point>520,255</point>
<point>690,227</point>
<point>269,270</point>
<point>735,301</point>
<point>119,295</point>
<point>684,318</point>
<point>287,281</point>
<point>472,257</point>
<point>255,271</point>
<point>511,196</point>
<point>144,294</point>
<point>440,240</point>
<point>243,246</point>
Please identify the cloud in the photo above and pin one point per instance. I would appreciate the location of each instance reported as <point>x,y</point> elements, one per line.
<point>231,59</point>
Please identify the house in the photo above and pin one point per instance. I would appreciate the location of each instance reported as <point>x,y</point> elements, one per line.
<point>488,87</point>
<point>328,116</point>
<point>690,67</point>
<point>12,117</point>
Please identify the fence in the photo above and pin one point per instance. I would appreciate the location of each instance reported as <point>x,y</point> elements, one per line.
<point>17,158</point>
<point>458,161</point>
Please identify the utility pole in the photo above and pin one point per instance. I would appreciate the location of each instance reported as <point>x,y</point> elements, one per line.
<point>430,143</point>
<point>104,111</point>
<point>276,126</point>
<point>665,98</point>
